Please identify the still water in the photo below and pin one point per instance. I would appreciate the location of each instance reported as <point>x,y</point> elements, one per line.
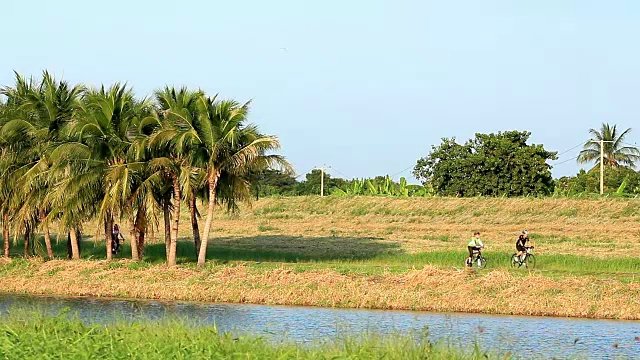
<point>525,337</point>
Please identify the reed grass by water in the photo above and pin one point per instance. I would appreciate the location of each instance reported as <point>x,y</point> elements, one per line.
<point>430,288</point>
<point>33,335</point>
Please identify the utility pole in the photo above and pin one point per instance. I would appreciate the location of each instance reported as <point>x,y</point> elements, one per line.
<point>601,167</point>
<point>322,170</point>
<point>602,163</point>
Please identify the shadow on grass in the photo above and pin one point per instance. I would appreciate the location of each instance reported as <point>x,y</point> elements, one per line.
<point>275,248</point>
<point>268,248</point>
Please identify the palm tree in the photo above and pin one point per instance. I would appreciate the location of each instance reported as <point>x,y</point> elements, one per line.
<point>616,151</point>
<point>16,152</point>
<point>221,143</point>
<point>177,108</point>
<point>44,109</point>
<point>104,152</point>
<point>7,161</point>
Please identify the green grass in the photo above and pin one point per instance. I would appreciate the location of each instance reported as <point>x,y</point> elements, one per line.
<point>266,228</point>
<point>350,255</point>
<point>32,335</point>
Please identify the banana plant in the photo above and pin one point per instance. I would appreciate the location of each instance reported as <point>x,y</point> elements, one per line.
<point>402,188</point>
<point>623,186</point>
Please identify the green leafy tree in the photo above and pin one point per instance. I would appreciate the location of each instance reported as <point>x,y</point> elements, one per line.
<point>616,151</point>
<point>272,182</point>
<point>311,184</point>
<point>501,164</point>
<point>619,180</point>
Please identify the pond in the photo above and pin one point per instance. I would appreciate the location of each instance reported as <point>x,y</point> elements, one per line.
<point>525,337</point>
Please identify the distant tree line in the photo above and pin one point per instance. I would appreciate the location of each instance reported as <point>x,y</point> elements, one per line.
<point>278,183</point>
<point>504,164</point>
<point>497,164</point>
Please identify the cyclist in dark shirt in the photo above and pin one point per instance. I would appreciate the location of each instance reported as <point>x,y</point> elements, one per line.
<point>521,244</point>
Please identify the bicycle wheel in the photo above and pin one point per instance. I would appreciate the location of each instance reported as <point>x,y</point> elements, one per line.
<point>468,262</point>
<point>530,262</point>
<point>481,262</point>
<point>514,261</point>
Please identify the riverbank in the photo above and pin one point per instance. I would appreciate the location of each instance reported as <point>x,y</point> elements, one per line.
<point>429,288</point>
<point>28,335</point>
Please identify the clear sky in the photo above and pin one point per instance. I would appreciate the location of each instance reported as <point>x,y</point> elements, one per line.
<point>364,86</point>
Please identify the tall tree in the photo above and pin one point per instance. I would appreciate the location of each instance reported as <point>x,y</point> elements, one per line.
<point>7,162</point>
<point>273,182</point>
<point>45,108</point>
<point>101,145</point>
<point>616,151</point>
<point>177,107</point>
<point>501,164</point>
<point>221,142</point>
<point>100,158</point>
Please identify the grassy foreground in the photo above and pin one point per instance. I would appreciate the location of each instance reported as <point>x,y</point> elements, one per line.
<point>33,336</point>
<point>372,252</point>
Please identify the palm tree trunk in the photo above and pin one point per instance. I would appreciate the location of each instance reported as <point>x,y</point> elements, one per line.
<point>5,234</point>
<point>69,251</point>
<point>108,235</point>
<point>141,225</point>
<point>213,182</point>
<point>138,229</point>
<point>175,222</point>
<point>75,245</point>
<point>141,243</point>
<point>47,235</point>
<point>27,236</point>
<point>194,222</point>
<point>167,226</point>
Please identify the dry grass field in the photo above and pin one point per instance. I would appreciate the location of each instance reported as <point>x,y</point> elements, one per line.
<point>600,228</point>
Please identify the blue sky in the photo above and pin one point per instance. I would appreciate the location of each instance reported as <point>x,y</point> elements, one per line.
<point>363,86</point>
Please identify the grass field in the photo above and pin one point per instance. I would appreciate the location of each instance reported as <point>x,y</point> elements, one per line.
<point>28,335</point>
<point>397,253</point>
<point>601,228</point>
<point>574,236</point>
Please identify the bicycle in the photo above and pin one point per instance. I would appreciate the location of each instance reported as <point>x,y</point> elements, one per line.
<point>479,261</point>
<point>116,244</point>
<point>529,260</point>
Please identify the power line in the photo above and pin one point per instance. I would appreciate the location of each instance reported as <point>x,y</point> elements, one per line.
<point>573,148</point>
<point>303,174</point>
<point>566,161</point>
<point>632,145</point>
<point>400,172</point>
<point>340,173</point>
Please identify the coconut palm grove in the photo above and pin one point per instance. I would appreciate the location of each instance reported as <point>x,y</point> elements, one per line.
<point>71,154</point>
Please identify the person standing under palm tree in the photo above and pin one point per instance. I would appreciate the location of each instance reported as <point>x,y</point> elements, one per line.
<point>116,235</point>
